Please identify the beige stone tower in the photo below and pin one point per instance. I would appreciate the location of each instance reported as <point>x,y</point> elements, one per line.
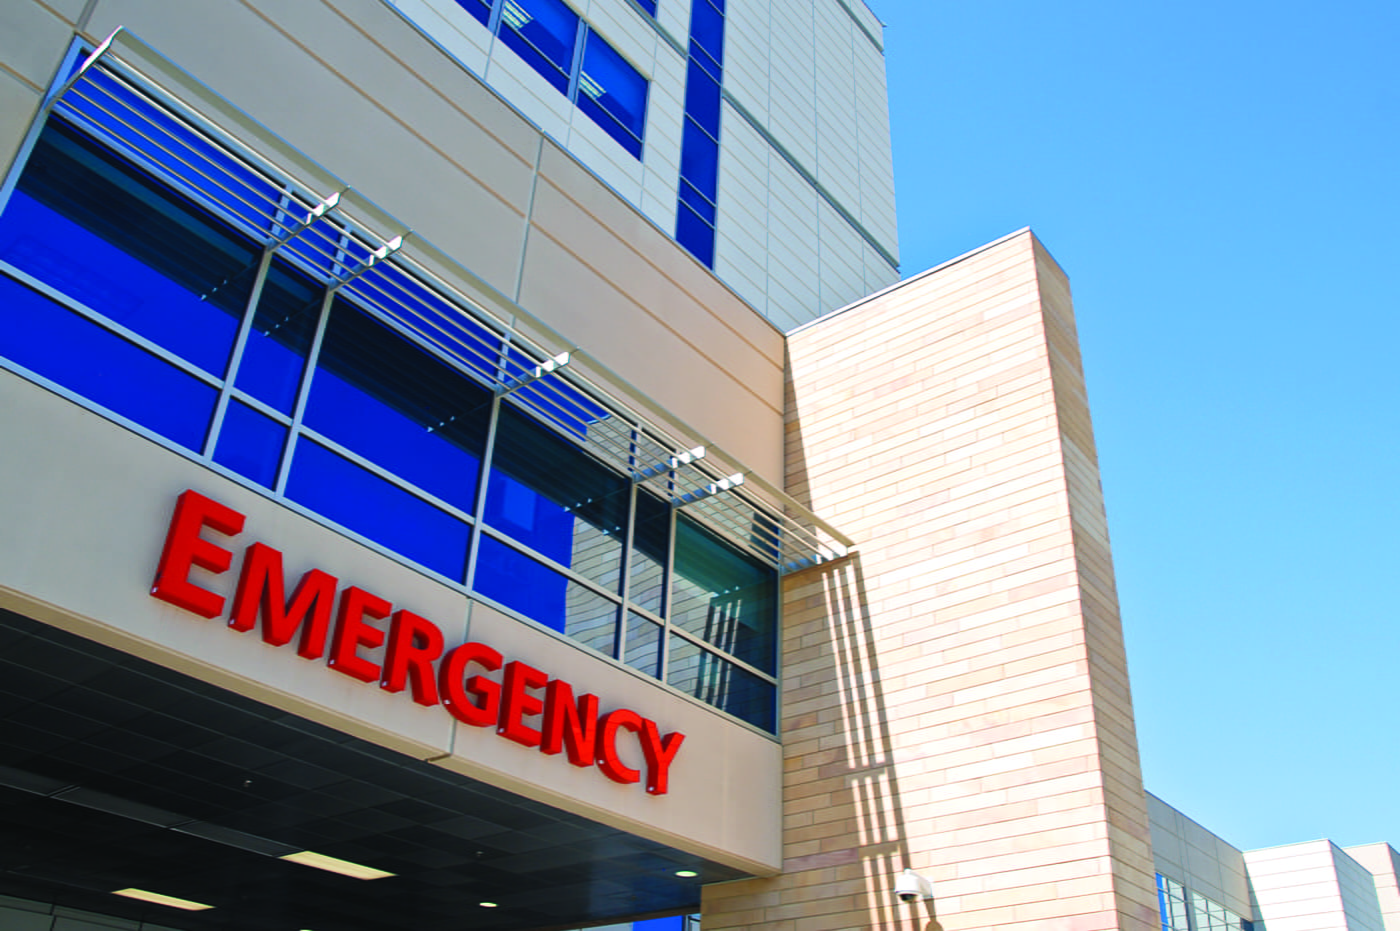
<point>955,694</point>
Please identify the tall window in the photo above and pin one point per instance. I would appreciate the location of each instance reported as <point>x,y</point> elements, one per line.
<point>555,41</point>
<point>699,184</point>
<point>152,276</point>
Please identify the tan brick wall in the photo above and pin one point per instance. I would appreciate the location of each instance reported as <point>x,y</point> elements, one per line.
<point>955,694</point>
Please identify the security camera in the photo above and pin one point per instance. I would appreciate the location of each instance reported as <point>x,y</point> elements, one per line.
<point>911,887</point>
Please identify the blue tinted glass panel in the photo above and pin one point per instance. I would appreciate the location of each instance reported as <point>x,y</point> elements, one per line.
<point>702,98</point>
<point>707,29</point>
<point>515,580</point>
<point>478,8</point>
<point>358,499</point>
<point>651,537</point>
<point>402,297</point>
<point>648,5</point>
<point>695,234</point>
<point>613,94</point>
<point>250,444</point>
<point>643,650</point>
<point>724,597</point>
<point>674,923</point>
<point>283,329</point>
<point>138,126</point>
<point>556,499</point>
<point>715,681</point>
<point>543,32</point>
<point>106,235</point>
<point>697,202</point>
<point>561,402</point>
<point>700,159</point>
<point>95,363</point>
<point>399,406</point>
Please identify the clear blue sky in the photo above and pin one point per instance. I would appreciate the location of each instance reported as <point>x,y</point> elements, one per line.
<point>1221,181</point>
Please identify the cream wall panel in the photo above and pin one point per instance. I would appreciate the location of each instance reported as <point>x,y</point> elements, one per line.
<point>1185,851</point>
<point>625,292</point>
<point>1383,863</point>
<point>19,102</point>
<point>402,137</point>
<point>1311,887</point>
<point>529,92</point>
<point>459,33</point>
<point>674,17</point>
<point>90,572</point>
<point>32,41</point>
<point>878,273</point>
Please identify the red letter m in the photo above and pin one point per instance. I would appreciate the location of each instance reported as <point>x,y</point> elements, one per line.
<point>263,587</point>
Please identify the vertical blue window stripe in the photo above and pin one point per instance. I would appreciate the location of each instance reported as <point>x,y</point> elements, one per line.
<point>695,225</point>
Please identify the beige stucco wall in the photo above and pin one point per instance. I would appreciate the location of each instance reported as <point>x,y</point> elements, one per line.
<point>360,91</point>
<point>85,505</point>
<point>956,695</point>
<point>1197,858</point>
<point>1382,862</point>
<point>1313,886</point>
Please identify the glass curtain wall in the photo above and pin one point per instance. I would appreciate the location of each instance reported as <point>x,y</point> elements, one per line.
<point>148,273</point>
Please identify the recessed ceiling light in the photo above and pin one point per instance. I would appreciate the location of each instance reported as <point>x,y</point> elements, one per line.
<point>687,874</point>
<point>159,899</point>
<point>488,904</point>
<point>332,865</point>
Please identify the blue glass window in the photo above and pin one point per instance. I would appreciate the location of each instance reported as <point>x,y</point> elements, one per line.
<point>699,159</point>
<point>91,226</point>
<point>695,234</point>
<point>394,404</point>
<point>550,495</point>
<point>702,96</point>
<point>707,29</point>
<point>356,498</point>
<point>284,326</point>
<point>250,444</point>
<point>613,94</point>
<point>93,362</point>
<point>649,6</point>
<point>724,597</point>
<point>403,297</point>
<point>697,202</point>
<point>136,125</point>
<point>718,682</point>
<point>543,32</point>
<point>528,586</point>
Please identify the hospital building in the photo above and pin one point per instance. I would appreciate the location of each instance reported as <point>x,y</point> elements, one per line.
<point>480,465</point>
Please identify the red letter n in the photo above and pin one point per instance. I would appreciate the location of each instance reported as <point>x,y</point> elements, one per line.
<point>568,725</point>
